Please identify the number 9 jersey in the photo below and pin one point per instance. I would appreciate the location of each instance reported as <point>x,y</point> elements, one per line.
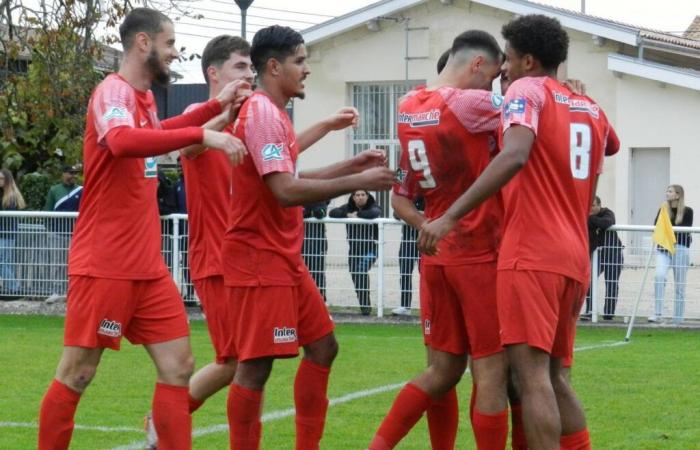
<point>546,205</point>
<point>447,139</point>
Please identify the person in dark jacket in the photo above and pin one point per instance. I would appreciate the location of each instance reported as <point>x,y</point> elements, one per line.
<point>610,258</point>
<point>362,241</point>
<point>10,200</point>
<point>183,231</point>
<point>167,204</point>
<point>408,255</point>
<point>681,216</point>
<point>315,244</point>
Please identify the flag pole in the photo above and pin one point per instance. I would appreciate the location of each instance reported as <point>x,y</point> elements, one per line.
<point>639,295</point>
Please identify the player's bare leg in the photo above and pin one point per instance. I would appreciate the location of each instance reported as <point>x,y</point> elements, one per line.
<point>210,379</point>
<point>443,373</point>
<point>244,404</point>
<point>311,389</point>
<point>573,419</point>
<point>174,366</point>
<point>443,417</point>
<point>490,415</point>
<point>518,440</point>
<point>75,371</point>
<point>540,412</point>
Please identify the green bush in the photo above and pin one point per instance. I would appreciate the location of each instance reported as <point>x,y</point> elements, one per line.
<point>34,187</point>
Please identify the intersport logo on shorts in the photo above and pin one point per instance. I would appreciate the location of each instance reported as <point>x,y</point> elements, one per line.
<point>284,334</point>
<point>110,328</point>
<point>426,326</point>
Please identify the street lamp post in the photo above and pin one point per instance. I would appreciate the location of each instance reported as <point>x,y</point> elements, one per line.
<point>243,5</point>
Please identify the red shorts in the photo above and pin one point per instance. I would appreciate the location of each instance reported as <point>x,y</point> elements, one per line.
<point>539,309</point>
<point>219,315</point>
<point>458,309</point>
<point>277,320</point>
<point>101,310</point>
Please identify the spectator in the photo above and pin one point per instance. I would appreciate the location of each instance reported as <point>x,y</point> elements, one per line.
<point>12,200</point>
<point>64,197</point>
<point>408,255</point>
<point>167,204</point>
<point>681,216</point>
<point>183,231</point>
<point>610,257</point>
<point>362,241</point>
<point>315,244</point>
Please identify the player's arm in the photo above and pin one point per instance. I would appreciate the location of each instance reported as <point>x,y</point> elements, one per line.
<point>517,143</point>
<point>406,210</point>
<point>342,119</point>
<point>291,191</point>
<point>358,163</point>
<point>234,94</point>
<point>218,123</point>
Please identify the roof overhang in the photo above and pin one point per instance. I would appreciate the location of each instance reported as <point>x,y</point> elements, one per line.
<point>653,71</point>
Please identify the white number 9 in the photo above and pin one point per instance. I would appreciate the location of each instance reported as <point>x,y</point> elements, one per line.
<point>419,163</point>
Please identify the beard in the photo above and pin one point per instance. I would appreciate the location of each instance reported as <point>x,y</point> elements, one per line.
<point>160,76</point>
<point>300,95</point>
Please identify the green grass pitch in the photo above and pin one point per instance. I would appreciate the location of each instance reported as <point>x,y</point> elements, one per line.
<point>643,395</point>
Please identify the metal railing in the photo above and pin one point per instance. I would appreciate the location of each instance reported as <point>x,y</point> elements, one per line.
<point>360,264</point>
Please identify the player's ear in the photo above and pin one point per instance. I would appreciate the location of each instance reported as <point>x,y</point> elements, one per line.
<point>142,41</point>
<point>212,74</point>
<point>528,62</point>
<point>273,67</point>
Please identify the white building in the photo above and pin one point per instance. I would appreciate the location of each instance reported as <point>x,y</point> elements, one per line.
<point>647,82</point>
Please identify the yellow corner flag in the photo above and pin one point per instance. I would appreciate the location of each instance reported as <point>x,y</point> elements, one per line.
<point>663,231</point>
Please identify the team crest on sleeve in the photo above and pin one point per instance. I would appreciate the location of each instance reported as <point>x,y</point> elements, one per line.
<point>515,106</point>
<point>115,112</point>
<point>151,167</point>
<point>400,175</point>
<point>497,101</point>
<point>272,152</point>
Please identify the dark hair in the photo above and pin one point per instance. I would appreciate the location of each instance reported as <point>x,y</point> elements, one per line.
<point>219,50</point>
<point>597,200</point>
<point>141,20</point>
<point>540,36</point>
<point>276,42</point>
<point>442,62</point>
<point>477,40</point>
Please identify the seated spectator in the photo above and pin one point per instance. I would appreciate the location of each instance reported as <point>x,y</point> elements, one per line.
<point>12,200</point>
<point>315,244</point>
<point>408,255</point>
<point>362,241</point>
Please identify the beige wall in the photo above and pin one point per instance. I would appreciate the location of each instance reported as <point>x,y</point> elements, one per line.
<point>638,108</point>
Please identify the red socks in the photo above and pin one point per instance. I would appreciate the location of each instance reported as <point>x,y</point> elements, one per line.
<point>518,439</point>
<point>311,403</point>
<point>490,431</point>
<point>443,420</point>
<point>405,412</point>
<point>194,404</point>
<point>580,440</point>
<point>244,407</point>
<point>56,416</point>
<point>171,417</point>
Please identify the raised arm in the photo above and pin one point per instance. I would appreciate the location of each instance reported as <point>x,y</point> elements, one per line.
<point>343,118</point>
<point>360,162</point>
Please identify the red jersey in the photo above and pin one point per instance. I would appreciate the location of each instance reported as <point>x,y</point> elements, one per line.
<point>117,234</point>
<point>207,187</point>
<point>262,246</point>
<point>446,142</point>
<point>547,203</point>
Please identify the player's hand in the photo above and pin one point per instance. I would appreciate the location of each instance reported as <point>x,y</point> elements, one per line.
<point>352,215</point>
<point>368,159</point>
<point>377,179</point>
<point>575,86</point>
<point>343,118</point>
<point>230,145</point>
<point>431,233</point>
<point>230,92</point>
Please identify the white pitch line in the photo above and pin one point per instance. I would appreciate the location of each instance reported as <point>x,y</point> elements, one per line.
<point>268,417</point>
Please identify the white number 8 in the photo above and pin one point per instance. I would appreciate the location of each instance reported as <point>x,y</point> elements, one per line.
<point>580,150</point>
<point>419,163</point>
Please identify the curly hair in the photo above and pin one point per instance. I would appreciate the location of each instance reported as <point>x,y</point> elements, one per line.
<point>540,36</point>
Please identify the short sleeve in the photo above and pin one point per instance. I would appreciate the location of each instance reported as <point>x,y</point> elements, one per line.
<point>476,109</point>
<point>405,183</point>
<point>113,106</point>
<point>523,104</point>
<point>267,139</point>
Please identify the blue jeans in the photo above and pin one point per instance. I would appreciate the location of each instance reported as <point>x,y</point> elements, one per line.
<point>10,284</point>
<point>679,262</point>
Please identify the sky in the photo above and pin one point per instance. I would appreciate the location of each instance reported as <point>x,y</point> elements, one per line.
<point>223,16</point>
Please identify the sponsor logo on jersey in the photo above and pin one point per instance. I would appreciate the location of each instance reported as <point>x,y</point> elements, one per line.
<point>496,101</point>
<point>426,327</point>
<point>110,328</point>
<point>284,335</point>
<point>150,167</point>
<point>561,98</point>
<point>115,112</point>
<point>273,152</point>
<point>515,106</point>
<point>421,119</point>
<point>584,106</point>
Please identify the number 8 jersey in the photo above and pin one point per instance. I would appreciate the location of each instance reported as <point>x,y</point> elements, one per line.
<point>447,139</point>
<point>546,205</point>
